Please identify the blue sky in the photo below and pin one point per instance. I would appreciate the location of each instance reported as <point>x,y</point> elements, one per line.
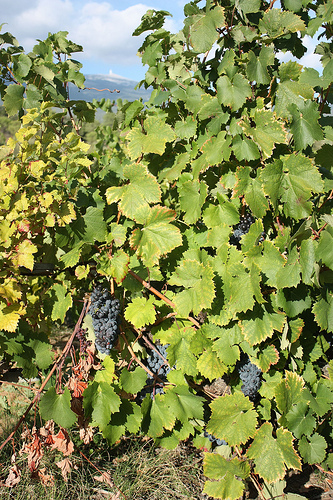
<point>103,27</point>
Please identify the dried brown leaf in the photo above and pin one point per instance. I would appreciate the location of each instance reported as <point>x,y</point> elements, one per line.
<point>65,466</point>
<point>62,442</point>
<point>45,479</point>
<point>86,434</point>
<point>13,477</point>
<point>105,478</point>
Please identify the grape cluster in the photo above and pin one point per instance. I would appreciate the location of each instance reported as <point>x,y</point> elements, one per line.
<point>158,367</point>
<point>105,319</point>
<point>214,440</point>
<point>242,228</point>
<point>250,375</point>
<point>81,336</point>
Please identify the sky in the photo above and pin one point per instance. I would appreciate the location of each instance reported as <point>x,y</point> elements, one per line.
<point>103,27</point>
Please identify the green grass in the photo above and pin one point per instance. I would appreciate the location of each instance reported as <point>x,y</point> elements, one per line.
<point>136,467</point>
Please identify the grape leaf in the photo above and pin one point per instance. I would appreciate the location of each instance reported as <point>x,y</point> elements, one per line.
<point>99,401</point>
<point>233,92</point>
<point>265,446</point>
<point>233,419</point>
<point>57,407</point>
<point>62,303</point>
<point>133,382</point>
<point>158,236</point>
<point>198,281</point>
<point>204,29</point>
<point>267,132</point>
<point>292,178</point>
<point>141,312</point>
<point>259,324</point>
<point>161,416</point>
<point>141,190</point>
<point>305,127</point>
<point>313,449</point>
<point>158,133</point>
<point>13,98</point>
<point>227,474</point>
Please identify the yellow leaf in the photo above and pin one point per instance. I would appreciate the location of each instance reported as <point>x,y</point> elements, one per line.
<point>66,214</point>
<point>6,232</point>
<point>37,168</point>
<point>49,220</point>
<point>10,290</point>
<point>81,272</point>
<point>24,254</point>
<point>9,317</point>
<point>22,203</point>
<point>46,200</point>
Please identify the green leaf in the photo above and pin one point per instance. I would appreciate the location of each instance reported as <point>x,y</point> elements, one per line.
<point>22,65</point>
<point>276,23</point>
<point>260,324</point>
<point>57,407</point>
<point>186,129</point>
<point>300,420</point>
<point>158,236</point>
<point>265,446</point>
<point>204,29</point>
<point>305,127</point>
<point>198,282</point>
<point>151,20</point>
<point>62,303</point>
<point>321,403</point>
<point>289,392</point>
<point>256,68</point>
<point>161,417</point>
<point>13,99</point>
<point>227,474</point>
<point>307,260</point>
<point>99,401</point>
<point>323,311</point>
<point>135,196</point>
<point>192,197</point>
<point>245,149</point>
<point>141,312</point>
<point>324,251</point>
<point>290,93</point>
<point>210,365</point>
<point>233,93</point>
<point>292,179</point>
<point>253,191</point>
<point>157,134</point>
<point>313,449</point>
<point>119,265</point>
<point>268,130</point>
<point>179,350</point>
<point>233,419</point>
<point>133,382</point>
<point>184,405</point>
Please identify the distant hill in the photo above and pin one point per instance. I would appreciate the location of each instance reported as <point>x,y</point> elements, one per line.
<point>110,82</point>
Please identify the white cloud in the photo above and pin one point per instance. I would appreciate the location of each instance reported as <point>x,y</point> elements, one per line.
<point>310,59</point>
<point>106,33</point>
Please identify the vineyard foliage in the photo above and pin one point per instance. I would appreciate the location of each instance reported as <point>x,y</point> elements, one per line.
<point>149,213</point>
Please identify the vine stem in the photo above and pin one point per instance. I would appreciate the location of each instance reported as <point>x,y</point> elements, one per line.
<point>160,295</point>
<point>102,473</point>
<point>151,289</point>
<point>254,481</point>
<point>55,366</point>
<point>134,356</point>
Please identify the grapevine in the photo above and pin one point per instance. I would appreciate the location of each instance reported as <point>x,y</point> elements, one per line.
<point>207,212</point>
